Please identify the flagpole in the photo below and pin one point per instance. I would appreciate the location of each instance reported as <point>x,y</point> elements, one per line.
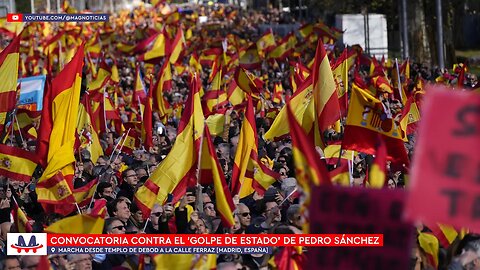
<point>399,81</point>
<point>199,169</point>
<point>123,143</point>
<point>93,196</point>
<point>104,112</point>
<point>78,208</point>
<point>113,152</point>
<point>145,226</point>
<point>18,126</point>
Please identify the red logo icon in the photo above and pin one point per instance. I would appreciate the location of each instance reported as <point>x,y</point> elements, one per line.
<point>14,17</point>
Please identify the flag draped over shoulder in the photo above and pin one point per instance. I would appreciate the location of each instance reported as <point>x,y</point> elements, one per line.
<point>211,171</point>
<point>178,169</point>
<point>56,183</point>
<point>9,59</point>
<point>367,118</point>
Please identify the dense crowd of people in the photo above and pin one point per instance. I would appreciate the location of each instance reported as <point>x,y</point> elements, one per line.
<point>121,174</point>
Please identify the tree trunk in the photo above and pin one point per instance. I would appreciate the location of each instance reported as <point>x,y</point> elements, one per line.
<point>418,37</point>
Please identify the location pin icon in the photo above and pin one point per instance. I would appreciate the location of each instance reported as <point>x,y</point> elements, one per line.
<point>52,249</point>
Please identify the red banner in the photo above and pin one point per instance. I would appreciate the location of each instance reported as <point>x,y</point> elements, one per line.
<point>353,210</point>
<point>445,181</point>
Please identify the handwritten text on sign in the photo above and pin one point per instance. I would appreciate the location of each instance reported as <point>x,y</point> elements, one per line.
<point>445,182</point>
<point>353,210</point>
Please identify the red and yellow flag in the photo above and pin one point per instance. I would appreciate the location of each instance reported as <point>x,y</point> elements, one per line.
<point>164,84</point>
<point>429,244</point>
<point>211,171</point>
<point>250,58</point>
<point>78,224</point>
<point>378,170</point>
<point>266,43</point>
<point>365,120</point>
<point>9,59</point>
<point>85,127</point>
<point>303,110</point>
<point>56,183</point>
<point>284,48</point>
<point>176,47</point>
<point>324,90</point>
<point>16,163</point>
<point>177,170</point>
<point>147,127</point>
<point>249,174</point>
<point>20,220</point>
<point>308,166</point>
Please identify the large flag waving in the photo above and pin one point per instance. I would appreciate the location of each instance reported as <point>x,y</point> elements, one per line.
<point>56,183</point>
<point>324,90</point>
<point>308,166</point>
<point>211,171</point>
<point>367,118</point>
<point>9,59</point>
<point>178,169</point>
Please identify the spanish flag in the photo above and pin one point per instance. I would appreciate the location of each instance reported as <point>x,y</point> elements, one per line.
<point>246,144</point>
<point>266,43</point>
<point>289,258</point>
<point>83,195</point>
<point>277,96</point>
<point>176,47</point>
<point>177,170</point>
<point>211,171</point>
<point>78,224</point>
<point>164,84</point>
<point>249,174</point>
<point>9,59</point>
<point>248,82</point>
<point>159,48</point>
<point>284,48</point>
<point>366,118</point>
<point>56,183</point>
<point>174,261</point>
<point>250,58</point>
<point>309,169</point>
<point>147,126</point>
<point>84,125</point>
<point>139,93</point>
<point>341,174</point>
<point>324,90</point>
<point>429,244</point>
<point>20,220</point>
<point>378,170</point>
<point>236,96</point>
<point>340,73</point>
<point>96,86</point>
<point>16,163</point>
<point>303,110</point>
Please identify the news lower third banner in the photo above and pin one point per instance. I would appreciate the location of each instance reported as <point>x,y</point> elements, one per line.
<point>61,17</point>
<point>43,244</point>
